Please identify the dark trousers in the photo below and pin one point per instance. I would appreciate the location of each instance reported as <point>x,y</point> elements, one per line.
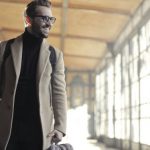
<point>26,128</point>
<point>26,131</point>
<point>13,145</point>
<point>25,137</point>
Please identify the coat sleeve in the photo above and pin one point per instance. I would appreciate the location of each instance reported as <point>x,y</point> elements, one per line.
<point>59,98</point>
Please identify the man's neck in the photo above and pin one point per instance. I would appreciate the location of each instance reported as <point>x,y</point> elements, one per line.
<point>31,32</point>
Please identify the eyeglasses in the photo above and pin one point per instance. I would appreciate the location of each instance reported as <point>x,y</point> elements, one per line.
<point>47,19</point>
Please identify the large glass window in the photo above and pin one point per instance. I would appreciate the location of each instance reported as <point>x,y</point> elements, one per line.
<point>144,126</point>
<point>134,50</point>
<point>145,90</point>
<point>134,88</point>
<point>97,109</point>
<point>143,38</point>
<point>145,84</point>
<point>118,82</point>
<point>125,94</point>
<point>124,99</point>
<point>145,109</point>
<point>103,127</point>
<point>118,101</point>
<point>148,33</point>
<point>145,63</point>
<point>110,100</point>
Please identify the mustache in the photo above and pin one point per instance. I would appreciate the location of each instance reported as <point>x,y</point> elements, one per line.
<point>47,26</point>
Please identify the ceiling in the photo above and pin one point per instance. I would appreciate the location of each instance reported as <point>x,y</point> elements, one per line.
<point>83,29</point>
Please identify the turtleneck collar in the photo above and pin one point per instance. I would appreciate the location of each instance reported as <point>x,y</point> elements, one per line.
<point>31,38</point>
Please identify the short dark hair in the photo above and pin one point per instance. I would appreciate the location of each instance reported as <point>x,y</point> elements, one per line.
<point>31,7</point>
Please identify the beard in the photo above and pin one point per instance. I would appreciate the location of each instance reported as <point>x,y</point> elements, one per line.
<point>41,32</point>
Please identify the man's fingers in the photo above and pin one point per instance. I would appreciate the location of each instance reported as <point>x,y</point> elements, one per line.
<point>55,139</point>
<point>50,134</point>
<point>55,136</point>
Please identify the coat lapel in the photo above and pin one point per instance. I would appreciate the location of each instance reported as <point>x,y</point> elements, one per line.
<point>44,55</point>
<point>16,51</point>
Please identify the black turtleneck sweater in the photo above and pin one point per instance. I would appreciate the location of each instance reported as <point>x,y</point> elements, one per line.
<point>31,47</point>
<point>26,102</point>
<point>26,127</point>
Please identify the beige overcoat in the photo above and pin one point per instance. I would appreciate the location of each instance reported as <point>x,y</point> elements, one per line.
<point>48,105</point>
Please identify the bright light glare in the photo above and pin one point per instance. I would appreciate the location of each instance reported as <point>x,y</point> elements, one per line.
<point>77,129</point>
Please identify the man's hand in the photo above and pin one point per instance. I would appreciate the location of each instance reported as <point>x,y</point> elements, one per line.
<point>55,136</point>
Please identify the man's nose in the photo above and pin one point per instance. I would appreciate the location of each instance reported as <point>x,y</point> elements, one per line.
<point>48,23</point>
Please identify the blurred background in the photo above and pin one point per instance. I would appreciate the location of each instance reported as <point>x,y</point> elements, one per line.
<point>106,47</point>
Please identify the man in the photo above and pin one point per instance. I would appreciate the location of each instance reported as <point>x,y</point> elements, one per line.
<point>31,91</point>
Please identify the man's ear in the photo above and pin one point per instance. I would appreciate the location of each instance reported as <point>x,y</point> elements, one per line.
<point>28,20</point>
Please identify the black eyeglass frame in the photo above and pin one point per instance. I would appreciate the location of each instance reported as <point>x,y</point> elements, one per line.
<point>46,18</point>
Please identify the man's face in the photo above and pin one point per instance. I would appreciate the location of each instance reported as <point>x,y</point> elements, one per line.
<point>39,26</point>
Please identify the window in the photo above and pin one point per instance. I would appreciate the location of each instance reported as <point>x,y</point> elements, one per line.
<point>110,100</point>
<point>125,91</point>
<point>144,136</point>
<point>143,44</point>
<point>97,109</point>
<point>145,90</point>
<point>145,63</point>
<point>134,47</point>
<point>148,33</point>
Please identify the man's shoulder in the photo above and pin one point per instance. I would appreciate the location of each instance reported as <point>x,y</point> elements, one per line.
<point>6,41</point>
<point>2,45</point>
<point>3,42</point>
